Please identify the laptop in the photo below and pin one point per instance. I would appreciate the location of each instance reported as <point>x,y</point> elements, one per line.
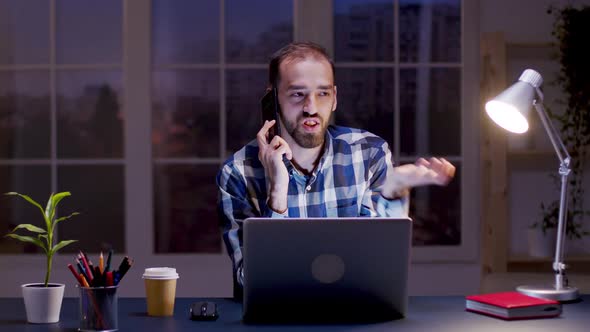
<point>325,269</point>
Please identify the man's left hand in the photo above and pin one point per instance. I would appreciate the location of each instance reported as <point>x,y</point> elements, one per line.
<point>433,171</point>
<point>423,172</point>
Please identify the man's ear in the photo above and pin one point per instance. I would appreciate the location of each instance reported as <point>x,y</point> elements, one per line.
<point>335,103</point>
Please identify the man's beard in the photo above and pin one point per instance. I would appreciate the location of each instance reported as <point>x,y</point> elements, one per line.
<point>307,140</point>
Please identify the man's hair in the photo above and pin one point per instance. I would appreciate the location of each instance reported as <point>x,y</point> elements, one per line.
<point>295,51</point>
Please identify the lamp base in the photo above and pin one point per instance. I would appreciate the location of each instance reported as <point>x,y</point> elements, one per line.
<point>564,294</point>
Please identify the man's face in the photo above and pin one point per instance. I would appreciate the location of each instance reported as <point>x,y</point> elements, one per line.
<point>308,97</point>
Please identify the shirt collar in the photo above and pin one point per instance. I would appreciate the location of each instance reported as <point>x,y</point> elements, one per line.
<point>325,159</point>
<point>328,154</point>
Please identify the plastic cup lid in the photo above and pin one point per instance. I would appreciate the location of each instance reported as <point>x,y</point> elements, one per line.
<point>162,273</point>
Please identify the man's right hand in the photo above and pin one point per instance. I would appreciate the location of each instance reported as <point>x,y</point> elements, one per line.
<point>277,176</point>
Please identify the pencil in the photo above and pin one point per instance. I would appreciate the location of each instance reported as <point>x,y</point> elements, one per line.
<point>84,282</point>
<point>80,265</point>
<point>123,268</point>
<point>109,279</point>
<point>124,263</point>
<point>75,273</point>
<point>101,263</point>
<point>86,267</point>
<point>97,277</point>
<point>108,267</point>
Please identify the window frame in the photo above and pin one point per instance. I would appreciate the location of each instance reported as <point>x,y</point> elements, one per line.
<point>309,23</point>
<point>467,251</point>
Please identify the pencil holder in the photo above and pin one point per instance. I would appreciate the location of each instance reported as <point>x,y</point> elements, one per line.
<point>98,308</point>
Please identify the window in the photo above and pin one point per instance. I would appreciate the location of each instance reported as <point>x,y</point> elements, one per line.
<point>61,106</point>
<point>136,122</point>
<point>399,76</point>
<point>209,72</point>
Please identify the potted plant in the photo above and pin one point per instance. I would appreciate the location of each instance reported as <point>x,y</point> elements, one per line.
<point>573,117</point>
<point>43,300</point>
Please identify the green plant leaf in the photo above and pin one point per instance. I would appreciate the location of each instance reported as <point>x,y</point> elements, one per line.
<point>61,245</point>
<point>52,203</point>
<point>28,239</point>
<point>30,228</point>
<point>43,238</point>
<point>66,217</point>
<point>29,199</point>
<point>47,214</point>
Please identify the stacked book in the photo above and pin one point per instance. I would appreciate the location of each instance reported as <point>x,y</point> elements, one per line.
<point>512,305</point>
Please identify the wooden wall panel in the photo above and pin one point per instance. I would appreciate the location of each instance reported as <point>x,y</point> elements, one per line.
<point>495,227</point>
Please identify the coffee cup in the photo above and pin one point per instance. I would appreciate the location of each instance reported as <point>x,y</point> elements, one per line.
<point>160,290</point>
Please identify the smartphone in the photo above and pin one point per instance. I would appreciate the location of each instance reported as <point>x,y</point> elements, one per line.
<point>270,111</point>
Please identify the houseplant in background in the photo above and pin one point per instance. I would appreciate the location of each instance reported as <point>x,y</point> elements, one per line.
<point>43,300</point>
<point>570,28</point>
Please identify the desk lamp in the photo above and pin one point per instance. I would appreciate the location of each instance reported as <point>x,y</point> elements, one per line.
<point>510,110</point>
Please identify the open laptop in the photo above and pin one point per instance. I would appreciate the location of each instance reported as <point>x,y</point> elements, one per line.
<point>325,269</point>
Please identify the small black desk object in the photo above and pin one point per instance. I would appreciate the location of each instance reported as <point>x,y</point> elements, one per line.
<point>204,310</point>
<point>425,313</point>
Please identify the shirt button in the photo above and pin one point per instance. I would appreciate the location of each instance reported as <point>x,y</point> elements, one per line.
<point>308,188</point>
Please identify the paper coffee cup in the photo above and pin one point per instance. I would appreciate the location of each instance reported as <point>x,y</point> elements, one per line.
<point>160,290</point>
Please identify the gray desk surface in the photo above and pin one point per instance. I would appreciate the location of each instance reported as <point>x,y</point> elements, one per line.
<point>424,314</point>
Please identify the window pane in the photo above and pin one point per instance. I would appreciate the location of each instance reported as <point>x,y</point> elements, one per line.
<point>363,30</point>
<point>33,181</point>
<point>101,204</point>
<point>185,121</point>
<point>24,111</point>
<point>185,31</point>
<point>89,31</point>
<point>89,114</point>
<point>436,212</point>
<point>430,30</point>
<point>185,209</point>
<point>24,36</point>
<point>244,90</point>
<point>252,34</point>
<point>430,108</point>
<point>365,101</point>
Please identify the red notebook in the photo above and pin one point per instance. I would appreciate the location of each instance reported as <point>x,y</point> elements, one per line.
<point>512,305</point>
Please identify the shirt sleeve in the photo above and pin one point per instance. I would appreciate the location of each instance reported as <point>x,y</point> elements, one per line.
<point>373,202</point>
<point>234,206</point>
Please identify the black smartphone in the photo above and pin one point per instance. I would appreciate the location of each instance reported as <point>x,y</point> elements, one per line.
<point>270,111</point>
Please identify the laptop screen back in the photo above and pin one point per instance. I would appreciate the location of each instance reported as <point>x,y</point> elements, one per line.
<point>341,269</point>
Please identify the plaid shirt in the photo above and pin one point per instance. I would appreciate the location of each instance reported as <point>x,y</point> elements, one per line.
<point>344,184</point>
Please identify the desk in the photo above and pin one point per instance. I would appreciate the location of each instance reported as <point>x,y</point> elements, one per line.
<point>429,313</point>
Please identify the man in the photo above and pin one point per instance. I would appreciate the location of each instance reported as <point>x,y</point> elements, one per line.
<point>313,169</point>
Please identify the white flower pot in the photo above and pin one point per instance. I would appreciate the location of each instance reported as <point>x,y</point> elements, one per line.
<point>43,304</point>
<point>542,244</point>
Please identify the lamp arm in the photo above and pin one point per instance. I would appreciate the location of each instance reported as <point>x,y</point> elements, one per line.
<point>560,149</point>
<point>558,265</point>
<point>564,171</point>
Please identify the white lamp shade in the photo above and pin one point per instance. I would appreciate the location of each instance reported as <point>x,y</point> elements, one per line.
<point>510,109</point>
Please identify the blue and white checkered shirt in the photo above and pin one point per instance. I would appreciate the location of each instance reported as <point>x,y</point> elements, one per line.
<point>344,184</point>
